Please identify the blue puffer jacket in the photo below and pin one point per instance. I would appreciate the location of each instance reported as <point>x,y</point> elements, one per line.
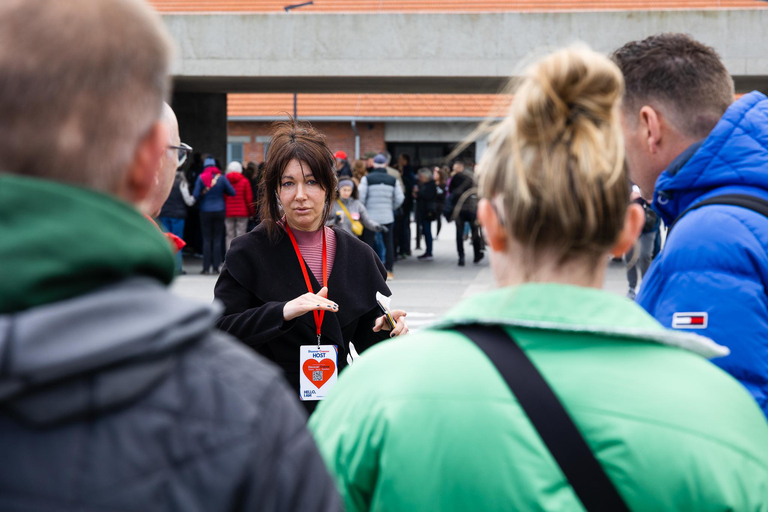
<point>212,199</point>
<point>715,263</point>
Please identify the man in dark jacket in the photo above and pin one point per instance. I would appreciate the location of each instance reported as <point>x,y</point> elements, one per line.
<point>463,209</point>
<point>114,393</point>
<point>687,142</point>
<point>426,193</point>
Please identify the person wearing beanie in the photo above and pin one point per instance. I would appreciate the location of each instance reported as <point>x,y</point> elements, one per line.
<point>239,207</point>
<point>381,195</point>
<point>351,211</point>
<point>210,189</point>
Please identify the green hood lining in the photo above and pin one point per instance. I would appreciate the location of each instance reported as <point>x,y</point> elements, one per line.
<point>60,241</point>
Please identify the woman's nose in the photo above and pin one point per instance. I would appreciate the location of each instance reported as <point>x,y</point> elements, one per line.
<point>300,191</point>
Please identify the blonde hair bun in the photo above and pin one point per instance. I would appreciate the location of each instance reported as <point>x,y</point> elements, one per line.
<point>569,91</point>
<point>557,159</point>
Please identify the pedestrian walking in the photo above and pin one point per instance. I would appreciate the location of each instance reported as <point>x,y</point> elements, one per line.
<point>210,189</point>
<point>425,196</point>
<point>115,393</point>
<point>441,183</point>
<point>294,290</point>
<point>548,393</point>
<point>381,195</point>
<point>700,159</point>
<point>462,207</point>
<point>239,207</point>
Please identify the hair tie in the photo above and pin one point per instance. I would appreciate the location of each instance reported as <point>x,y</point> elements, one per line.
<point>578,111</point>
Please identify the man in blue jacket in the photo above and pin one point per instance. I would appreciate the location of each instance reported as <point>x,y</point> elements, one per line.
<point>687,141</point>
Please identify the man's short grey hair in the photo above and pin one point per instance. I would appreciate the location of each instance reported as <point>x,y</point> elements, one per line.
<point>83,82</point>
<point>426,172</point>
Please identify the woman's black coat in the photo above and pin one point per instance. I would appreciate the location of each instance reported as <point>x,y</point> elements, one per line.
<point>260,275</point>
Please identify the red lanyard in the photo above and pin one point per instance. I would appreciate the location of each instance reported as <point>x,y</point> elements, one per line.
<point>318,314</point>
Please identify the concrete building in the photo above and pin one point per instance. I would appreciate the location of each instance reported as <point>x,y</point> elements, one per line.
<point>418,47</point>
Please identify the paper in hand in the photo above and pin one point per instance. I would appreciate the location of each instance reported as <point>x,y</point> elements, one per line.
<point>384,304</point>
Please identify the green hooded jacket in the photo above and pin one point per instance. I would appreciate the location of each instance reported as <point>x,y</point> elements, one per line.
<point>59,241</point>
<point>426,423</point>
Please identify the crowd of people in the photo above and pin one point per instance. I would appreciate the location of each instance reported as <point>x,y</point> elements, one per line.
<point>377,204</point>
<point>298,389</point>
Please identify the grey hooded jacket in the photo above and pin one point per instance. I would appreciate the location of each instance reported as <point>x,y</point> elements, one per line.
<point>358,212</point>
<point>126,399</point>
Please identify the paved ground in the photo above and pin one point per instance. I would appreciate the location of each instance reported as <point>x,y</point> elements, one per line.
<point>425,289</point>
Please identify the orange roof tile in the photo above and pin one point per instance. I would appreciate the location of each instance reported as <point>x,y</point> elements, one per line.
<point>274,106</point>
<point>368,105</point>
<point>324,6</point>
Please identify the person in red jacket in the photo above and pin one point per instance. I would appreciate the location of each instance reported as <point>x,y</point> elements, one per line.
<point>240,207</point>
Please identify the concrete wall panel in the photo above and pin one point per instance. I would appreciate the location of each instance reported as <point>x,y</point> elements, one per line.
<point>428,131</point>
<point>367,52</point>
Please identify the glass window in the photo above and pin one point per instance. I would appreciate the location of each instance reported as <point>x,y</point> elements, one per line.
<point>234,152</point>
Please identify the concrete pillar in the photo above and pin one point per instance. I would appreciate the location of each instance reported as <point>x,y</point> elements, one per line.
<point>203,122</point>
<point>480,146</point>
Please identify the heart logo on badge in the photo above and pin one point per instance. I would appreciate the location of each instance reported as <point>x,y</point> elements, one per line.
<point>318,372</point>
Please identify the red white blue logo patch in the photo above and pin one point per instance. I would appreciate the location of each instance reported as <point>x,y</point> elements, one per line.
<point>690,320</point>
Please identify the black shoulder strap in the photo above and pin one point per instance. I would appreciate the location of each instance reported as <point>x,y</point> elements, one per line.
<point>756,204</point>
<point>549,418</point>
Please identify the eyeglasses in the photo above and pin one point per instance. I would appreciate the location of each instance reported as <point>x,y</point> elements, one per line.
<point>183,151</point>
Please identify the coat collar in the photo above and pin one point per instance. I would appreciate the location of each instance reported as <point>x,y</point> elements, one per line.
<point>734,154</point>
<point>575,309</point>
<point>270,270</point>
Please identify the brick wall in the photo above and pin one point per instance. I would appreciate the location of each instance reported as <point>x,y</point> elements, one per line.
<point>340,136</point>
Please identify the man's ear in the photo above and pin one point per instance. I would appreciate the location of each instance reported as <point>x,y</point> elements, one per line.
<point>633,225</point>
<point>489,219</point>
<point>650,124</point>
<point>146,161</point>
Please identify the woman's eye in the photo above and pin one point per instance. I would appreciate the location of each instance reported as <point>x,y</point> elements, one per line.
<point>311,182</point>
<point>287,184</point>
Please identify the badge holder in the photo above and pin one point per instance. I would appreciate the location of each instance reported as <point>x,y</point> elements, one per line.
<point>318,371</point>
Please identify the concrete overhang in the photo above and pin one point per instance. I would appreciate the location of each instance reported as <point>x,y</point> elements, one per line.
<point>363,119</point>
<point>430,52</point>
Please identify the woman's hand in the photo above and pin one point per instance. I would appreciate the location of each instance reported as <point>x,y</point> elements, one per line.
<point>398,315</point>
<point>309,302</point>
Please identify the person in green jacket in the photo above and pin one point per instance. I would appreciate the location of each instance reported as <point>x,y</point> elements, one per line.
<point>427,423</point>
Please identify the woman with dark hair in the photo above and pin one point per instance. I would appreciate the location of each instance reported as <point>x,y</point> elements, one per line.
<point>299,293</point>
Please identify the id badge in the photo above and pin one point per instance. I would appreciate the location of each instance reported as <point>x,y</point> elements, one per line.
<point>318,371</point>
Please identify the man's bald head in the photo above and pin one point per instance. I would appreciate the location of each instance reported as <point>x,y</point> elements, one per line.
<point>83,83</point>
<point>166,168</point>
